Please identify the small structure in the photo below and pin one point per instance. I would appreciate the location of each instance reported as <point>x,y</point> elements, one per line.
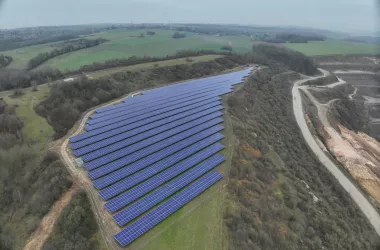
<point>79,162</point>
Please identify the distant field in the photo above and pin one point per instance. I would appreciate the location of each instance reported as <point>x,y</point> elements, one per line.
<point>333,47</point>
<point>124,44</point>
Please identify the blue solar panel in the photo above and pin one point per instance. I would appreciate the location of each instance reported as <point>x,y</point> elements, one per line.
<point>136,128</point>
<point>133,180</point>
<point>158,93</point>
<point>159,195</point>
<point>91,152</point>
<point>147,130</point>
<point>136,106</point>
<point>122,125</point>
<point>94,174</point>
<point>165,157</point>
<point>135,193</point>
<point>139,150</point>
<point>143,140</point>
<point>134,117</point>
<point>143,151</point>
<point>151,219</point>
<point>150,106</point>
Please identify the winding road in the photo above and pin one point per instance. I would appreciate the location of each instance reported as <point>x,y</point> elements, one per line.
<point>365,206</point>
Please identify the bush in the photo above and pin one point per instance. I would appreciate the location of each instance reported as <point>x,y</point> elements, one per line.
<point>226,47</point>
<point>178,35</point>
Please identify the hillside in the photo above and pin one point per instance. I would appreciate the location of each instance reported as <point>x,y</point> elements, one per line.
<point>280,196</point>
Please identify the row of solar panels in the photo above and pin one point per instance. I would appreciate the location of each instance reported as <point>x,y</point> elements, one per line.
<point>149,95</point>
<point>140,154</point>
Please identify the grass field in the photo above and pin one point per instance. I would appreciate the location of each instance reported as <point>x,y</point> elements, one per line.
<point>123,44</point>
<point>333,47</point>
<point>172,62</point>
<point>21,56</point>
<point>35,126</point>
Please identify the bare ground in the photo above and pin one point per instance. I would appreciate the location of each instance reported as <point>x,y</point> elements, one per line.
<point>39,237</point>
<point>340,147</point>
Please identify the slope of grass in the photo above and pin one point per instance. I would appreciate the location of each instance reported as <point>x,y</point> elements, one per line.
<point>333,47</point>
<point>21,56</point>
<point>35,126</point>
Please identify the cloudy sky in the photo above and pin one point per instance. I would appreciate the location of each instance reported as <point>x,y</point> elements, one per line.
<point>354,16</point>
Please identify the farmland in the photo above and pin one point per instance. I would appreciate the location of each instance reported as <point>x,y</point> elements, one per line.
<point>128,43</point>
<point>125,43</point>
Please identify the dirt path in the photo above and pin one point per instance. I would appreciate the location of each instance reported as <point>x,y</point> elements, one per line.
<point>365,206</point>
<point>39,237</point>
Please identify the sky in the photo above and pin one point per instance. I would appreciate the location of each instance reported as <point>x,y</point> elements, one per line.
<point>359,17</point>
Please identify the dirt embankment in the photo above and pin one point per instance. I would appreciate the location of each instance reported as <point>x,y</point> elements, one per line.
<point>360,155</point>
<point>357,152</point>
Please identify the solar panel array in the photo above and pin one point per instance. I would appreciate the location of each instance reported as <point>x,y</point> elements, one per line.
<point>153,153</point>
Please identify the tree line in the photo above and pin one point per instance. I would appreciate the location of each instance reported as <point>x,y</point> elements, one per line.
<point>293,38</point>
<point>5,61</point>
<point>72,46</point>
<point>18,78</point>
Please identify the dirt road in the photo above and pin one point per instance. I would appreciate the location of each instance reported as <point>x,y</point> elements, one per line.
<point>39,237</point>
<point>369,211</point>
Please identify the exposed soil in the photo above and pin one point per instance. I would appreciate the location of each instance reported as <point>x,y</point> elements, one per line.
<point>357,152</point>
<point>39,237</point>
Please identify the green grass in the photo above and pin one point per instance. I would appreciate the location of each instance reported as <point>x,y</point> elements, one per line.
<point>35,126</point>
<point>21,56</point>
<point>124,44</point>
<point>172,62</point>
<point>333,47</point>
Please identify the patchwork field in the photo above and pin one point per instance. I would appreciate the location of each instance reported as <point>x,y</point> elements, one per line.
<point>123,44</point>
<point>127,43</point>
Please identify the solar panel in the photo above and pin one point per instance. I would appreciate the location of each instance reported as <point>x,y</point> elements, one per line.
<point>91,152</point>
<point>135,193</point>
<point>165,157</point>
<point>136,128</point>
<point>159,195</point>
<point>123,124</point>
<point>153,153</point>
<point>151,106</point>
<point>153,93</point>
<point>169,173</point>
<point>119,117</point>
<point>151,219</point>
<point>147,130</point>
<point>96,173</point>
<point>139,150</point>
<point>143,140</point>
